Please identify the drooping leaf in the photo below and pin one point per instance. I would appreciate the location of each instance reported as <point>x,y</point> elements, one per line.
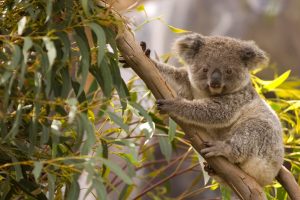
<point>100,188</point>
<point>21,25</point>
<point>26,46</point>
<point>38,166</point>
<point>85,60</point>
<point>90,135</point>
<point>16,57</point>
<point>49,9</point>
<point>51,186</point>
<point>165,147</point>
<point>101,40</point>
<point>126,191</point>
<point>172,129</point>
<point>118,120</point>
<point>74,191</point>
<point>51,51</point>
<point>18,169</point>
<point>271,85</point>
<point>117,170</point>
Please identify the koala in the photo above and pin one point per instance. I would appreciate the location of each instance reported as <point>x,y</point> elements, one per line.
<point>215,93</point>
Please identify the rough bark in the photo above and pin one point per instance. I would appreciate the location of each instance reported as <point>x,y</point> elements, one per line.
<point>241,183</point>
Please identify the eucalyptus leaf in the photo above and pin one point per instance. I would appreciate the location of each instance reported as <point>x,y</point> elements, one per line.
<point>85,60</point>
<point>118,120</point>
<point>38,166</point>
<point>165,147</point>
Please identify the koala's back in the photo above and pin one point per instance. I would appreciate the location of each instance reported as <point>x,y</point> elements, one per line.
<point>264,148</point>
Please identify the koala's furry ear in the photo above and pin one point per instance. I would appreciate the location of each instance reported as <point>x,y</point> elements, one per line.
<point>188,46</point>
<point>252,56</point>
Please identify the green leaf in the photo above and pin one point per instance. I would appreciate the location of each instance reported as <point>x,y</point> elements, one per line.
<point>117,170</point>
<point>119,83</point>
<point>86,7</point>
<point>226,193</point>
<point>90,134</point>
<point>271,85</point>
<point>85,60</point>
<point>106,77</point>
<point>74,191</point>
<point>38,166</point>
<point>66,46</point>
<point>16,57</point>
<point>18,169</point>
<point>26,46</point>
<point>101,40</point>
<point>49,8</point>
<point>51,51</point>
<point>100,188</point>
<point>177,30</point>
<point>119,121</point>
<point>172,129</point>
<point>5,77</point>
<point>51,186</point>
<point>165,147</point>
<point>126,191</point>
<point>15,128</point>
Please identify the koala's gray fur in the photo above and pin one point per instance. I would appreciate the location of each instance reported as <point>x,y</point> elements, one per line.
<point>217,94</point>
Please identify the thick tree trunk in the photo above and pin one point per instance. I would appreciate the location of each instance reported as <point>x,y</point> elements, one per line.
<point>241,183</point>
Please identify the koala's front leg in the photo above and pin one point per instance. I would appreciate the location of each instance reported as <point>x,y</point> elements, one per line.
<point>209,113</point>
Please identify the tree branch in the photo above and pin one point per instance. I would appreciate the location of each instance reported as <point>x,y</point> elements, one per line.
<point>241,183</point>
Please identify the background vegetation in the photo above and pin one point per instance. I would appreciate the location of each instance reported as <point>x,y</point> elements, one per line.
<point>70,125</point>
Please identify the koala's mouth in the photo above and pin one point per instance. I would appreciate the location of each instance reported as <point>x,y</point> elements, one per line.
<point>215,90</point>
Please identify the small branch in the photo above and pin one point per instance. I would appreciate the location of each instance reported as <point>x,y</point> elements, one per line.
<point>287,180</point>
<point>165,180</point>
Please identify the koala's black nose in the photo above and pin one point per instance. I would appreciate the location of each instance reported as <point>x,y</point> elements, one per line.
<point>216,78</point>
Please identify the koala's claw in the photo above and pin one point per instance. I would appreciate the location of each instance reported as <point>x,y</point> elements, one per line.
<point>216,148</point>
<point>162,106</point>
<point>145,50</point>
<point>209,169</point>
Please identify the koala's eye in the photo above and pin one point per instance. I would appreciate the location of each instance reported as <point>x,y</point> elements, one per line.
<point>205,70</point>
<point>229,71</point>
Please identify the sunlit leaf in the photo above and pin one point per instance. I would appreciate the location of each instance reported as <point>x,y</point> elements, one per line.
<point>270,85</point>
<point>51,51</point>
<point>141,8</point>
<point>177,30</point>
<point>21,25</point>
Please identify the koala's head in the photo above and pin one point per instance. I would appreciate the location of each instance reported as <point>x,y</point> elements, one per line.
<point>218,65</point>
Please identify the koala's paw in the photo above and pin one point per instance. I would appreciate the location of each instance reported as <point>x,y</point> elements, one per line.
<point>146,51</point>
<point>209,169</point>
<point>216,148</point>
<point>164,106</point>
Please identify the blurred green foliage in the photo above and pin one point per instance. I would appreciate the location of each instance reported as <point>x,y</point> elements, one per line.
<point>70,125</point>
